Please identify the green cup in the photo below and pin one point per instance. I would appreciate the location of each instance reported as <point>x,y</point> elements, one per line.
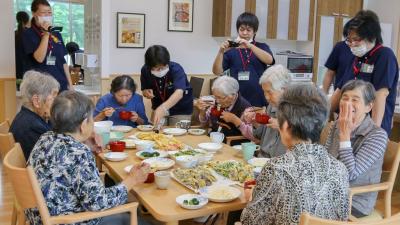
<point>248,150</point>
<point>105,138</point>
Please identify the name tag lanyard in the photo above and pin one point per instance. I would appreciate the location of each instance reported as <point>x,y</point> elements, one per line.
<point>50,45</point>
<point>248,55</point>
<point>356,69</point>
<point>162,93</point>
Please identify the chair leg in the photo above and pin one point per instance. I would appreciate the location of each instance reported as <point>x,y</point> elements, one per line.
<point>133,217</point>
<point>388,204</point>
<point>14,215</point>
<point>21,218</point>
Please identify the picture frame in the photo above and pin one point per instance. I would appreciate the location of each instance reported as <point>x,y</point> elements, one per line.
<point>131,30</point>
<point>180,15</point>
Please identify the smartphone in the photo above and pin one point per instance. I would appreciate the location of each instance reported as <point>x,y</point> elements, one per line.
<point>233,44</point>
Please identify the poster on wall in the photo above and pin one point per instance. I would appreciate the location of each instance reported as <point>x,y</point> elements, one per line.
<point>180,15</point>
<point>130,30</point>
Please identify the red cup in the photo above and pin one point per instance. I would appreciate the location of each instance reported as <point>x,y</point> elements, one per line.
<point>150,178</point>
<point>262,118</point>
<point>215,112</point>
<point>117,146</point>
<point>125,115</point>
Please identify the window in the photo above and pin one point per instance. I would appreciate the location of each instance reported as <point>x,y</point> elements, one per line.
<point>71,16</point>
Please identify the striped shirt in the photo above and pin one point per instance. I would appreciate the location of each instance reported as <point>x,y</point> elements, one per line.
<point>363,158</point>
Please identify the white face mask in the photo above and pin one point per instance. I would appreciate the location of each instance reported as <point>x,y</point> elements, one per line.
<point>48,19</point>
<point>160,73</point>
<point>359,51</point>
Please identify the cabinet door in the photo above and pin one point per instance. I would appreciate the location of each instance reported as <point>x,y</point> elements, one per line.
<point>329,7</point>
<point>222,17</point>
<point>350,8</point>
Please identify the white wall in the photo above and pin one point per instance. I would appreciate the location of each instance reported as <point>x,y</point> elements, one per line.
<point>194,51</point>
<point>7,52</point>
<point>388,12</point>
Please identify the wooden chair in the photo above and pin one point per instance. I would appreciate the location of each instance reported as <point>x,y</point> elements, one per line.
<point>4,127</point>
<point>29,195</point>
<point>325,132</point>
<point>234,138</point>
<point>6,143</point>
<point>390,165</point>
<point>307,219</point>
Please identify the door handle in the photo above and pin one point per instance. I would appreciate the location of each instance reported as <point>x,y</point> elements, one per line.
<point>345,15</point>
<point>335,14</point>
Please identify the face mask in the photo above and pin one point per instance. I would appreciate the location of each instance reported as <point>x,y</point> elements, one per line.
<point>359,51</point>
<point>160,73</point>
<point>250,41</point>
<point>48,19</point>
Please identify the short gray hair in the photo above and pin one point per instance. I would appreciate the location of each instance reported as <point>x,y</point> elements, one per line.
<point>37,83</point>
<point>305,108</point>
<point>69,110</point>
<point>367,89</point>
<point>227,85</point>
<point>278,76</point>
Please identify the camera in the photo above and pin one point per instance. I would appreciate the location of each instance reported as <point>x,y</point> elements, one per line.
<point>233,44</point>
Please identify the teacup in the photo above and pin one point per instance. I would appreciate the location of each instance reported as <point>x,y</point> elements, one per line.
<point>183,124</point>
<point>162,179</point>
<point>217,137</point>
<point>125,115</point>
<point>248,150</point>
<point>142,145</point>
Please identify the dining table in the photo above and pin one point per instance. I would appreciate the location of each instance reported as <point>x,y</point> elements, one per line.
<point>161,204</point>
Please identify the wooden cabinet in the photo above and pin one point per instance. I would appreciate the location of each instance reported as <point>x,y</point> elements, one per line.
<point>332,15</point>
<point>279,19</point>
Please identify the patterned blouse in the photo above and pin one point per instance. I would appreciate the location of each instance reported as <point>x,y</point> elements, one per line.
<point>306,178</point>
<point>69,179</point>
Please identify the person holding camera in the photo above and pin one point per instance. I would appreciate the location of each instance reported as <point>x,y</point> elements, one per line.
<point>246,59</point>
<point>44,47</point>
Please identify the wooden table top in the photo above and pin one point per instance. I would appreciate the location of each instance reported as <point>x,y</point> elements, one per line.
<point>161,203</point>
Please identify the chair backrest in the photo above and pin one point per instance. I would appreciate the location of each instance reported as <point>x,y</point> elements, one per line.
<point>325,132</point>
<point>307,219</point>
<point>38,195</point>
<point>391,162</point>
<point>197,85</point>
<point>6,143</point>
<point>15,167</point>
<point>4,127</point>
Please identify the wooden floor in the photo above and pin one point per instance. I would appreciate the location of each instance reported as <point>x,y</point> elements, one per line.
<point>6,201</point>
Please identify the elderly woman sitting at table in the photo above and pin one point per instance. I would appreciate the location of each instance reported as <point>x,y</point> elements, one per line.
<point>228,108</point>
<point>122,105</point>
<point>38,91</point>
<point>305,179</point>
<point>356,141</point>
<point>273,82</point>
<point>66,168</point>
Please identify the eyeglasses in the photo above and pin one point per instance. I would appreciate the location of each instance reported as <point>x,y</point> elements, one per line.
<point>350,41</point>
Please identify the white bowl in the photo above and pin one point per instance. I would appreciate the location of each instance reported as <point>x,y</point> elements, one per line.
<point>201,159</point>
<point>142,145</point>
<point>220,193</point>
<point>181,198</point>
<point>196,131</point>
<point>237,147</point>
<point>102,126</point>
<point>158,163</point>
<point>186,161</point>
<point>174,131</point>
<point>258,162</point>
<point>210,146</point>
<point>115,156</point>
<point>145,127</point>
<point>121,128</point>
<point>129,143</point>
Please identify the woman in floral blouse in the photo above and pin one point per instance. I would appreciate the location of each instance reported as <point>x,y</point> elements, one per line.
<point>306,178</point>
<point>66,168</point>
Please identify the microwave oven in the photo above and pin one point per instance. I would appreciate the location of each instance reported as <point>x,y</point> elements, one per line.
<point>300,66</point>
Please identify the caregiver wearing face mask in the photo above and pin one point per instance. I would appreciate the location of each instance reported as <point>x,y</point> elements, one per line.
<point>246,59</point>
<point>46,49</point>
<point>373,63</point>
<point>166,84</point>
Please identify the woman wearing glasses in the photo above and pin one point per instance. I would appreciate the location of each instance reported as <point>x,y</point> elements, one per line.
<point>373,63</point>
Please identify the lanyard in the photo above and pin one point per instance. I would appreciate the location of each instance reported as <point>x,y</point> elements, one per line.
<point>49,46</point>
<point>247,62</point>
<point>163,94</point>
<point>357,69</point>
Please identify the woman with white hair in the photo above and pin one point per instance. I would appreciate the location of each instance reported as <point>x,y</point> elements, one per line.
<point>38,91</point>
<point>228,108</point>
<point>273,82</point>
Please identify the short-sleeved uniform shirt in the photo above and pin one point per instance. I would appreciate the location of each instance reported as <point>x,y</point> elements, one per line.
<point>339,60</point>
<point>164,87</point>
<point>31,40</point>
<point>379,67</point>
<point>242,59</point>
<point>134,104</point>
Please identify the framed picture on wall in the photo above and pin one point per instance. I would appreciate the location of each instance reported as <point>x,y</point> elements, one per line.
<point>130,30</point>
<point>180,15</point>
